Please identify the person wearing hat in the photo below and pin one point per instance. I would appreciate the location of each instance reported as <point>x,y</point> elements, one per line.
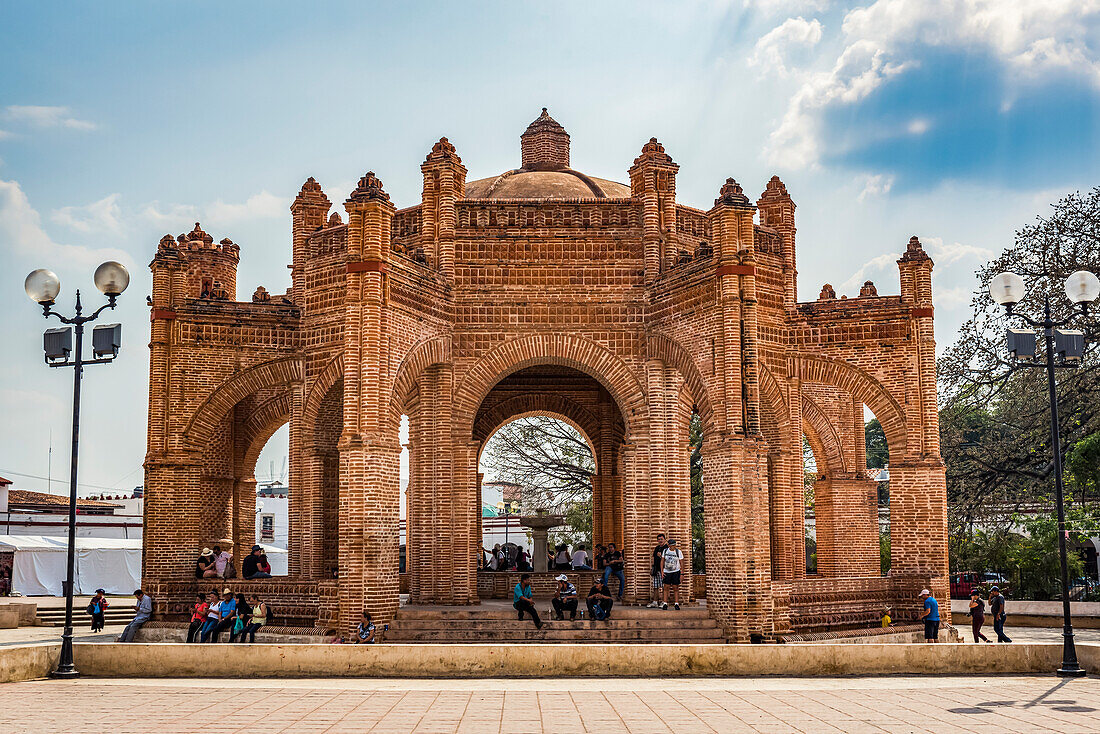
<point>96,607</point>
<point>977,615</point>
<point>204,566</point>
<point>931,616</point>
<point>671,560</point>
<point>565,598</point>
<point>227,615</point>
<point>251,565</point>
<point>997,609</point>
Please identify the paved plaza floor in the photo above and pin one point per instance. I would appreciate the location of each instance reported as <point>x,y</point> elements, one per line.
<point>908,704</point>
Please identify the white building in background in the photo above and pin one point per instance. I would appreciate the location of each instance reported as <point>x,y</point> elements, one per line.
<point>23,512</point>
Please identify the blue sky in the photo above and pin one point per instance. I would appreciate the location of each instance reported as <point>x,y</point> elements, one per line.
<point>956,120</point>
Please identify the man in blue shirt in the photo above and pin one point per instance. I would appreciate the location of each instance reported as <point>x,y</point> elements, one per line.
<point>522,601</point>
<point>227,615</point>
<point>931,616</point>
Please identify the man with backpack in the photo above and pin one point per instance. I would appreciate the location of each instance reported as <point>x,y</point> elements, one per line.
<point>656,577</point>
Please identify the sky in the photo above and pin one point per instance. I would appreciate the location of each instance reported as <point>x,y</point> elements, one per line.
<point>955,120</point>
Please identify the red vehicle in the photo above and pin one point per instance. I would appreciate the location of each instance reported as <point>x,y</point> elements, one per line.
<point>963,583</point>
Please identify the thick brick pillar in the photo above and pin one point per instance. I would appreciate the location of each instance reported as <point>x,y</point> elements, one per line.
<point>172,530</point>
<point>846,514</point>
<point>737,539</point>
<point>243,511</point>
<point>918,524</point>
<point>636,487</point>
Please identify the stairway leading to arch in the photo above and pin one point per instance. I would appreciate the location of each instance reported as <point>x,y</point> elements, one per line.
<point>495,621</point>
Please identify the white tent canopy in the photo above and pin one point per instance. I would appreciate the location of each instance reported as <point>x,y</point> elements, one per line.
<point>113,564</point>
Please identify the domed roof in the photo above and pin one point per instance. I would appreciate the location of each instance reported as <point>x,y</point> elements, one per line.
<point>545,171</point>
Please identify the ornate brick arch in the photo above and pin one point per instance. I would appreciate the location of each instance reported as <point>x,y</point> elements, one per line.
<point>673,353</point>
<point>429,351</point>
<point>862,387</point>
<point>534,403</point>
<point>206,417</point>
<point>558,349</point>
<point>261,425</point>
<point>550,414</point>
<point>822,436</point>
<point>775,417</point>
<point>330,374</point>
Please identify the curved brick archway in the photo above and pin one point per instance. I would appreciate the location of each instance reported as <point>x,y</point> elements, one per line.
<point>260,427</point>
<point>555,349</point>
<point>433,350</point>
<point>538,404</point>
<point>673,354</point>
<point>330,374</point>
<point>274,374</point>
<point>774,417</point>
<point>863,387</point>
<point>823,437</point>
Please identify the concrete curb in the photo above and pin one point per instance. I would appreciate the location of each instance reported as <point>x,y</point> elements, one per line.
<point>532,661</point>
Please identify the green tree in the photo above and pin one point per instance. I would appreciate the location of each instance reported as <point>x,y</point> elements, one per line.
<point>698,539</point>
<point>1083,468</point>
<point>995,425</point>
<point>878,455</point>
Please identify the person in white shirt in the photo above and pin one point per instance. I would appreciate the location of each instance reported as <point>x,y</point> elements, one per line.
<point>221,560</point>
<point>670,569</point>
<point>580,559</point>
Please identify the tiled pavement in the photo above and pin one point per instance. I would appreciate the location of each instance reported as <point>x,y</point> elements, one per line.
<point>910,704</point>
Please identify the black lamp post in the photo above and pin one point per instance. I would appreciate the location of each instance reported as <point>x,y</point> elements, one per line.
<point>42,287</point>
<point>1064,348</point>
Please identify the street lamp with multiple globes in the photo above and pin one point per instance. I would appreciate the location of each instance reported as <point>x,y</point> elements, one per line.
<point>42,286</point>
<point>1064,348</point>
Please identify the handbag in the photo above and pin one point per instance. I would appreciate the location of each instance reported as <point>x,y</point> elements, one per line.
<point>238,626</point>
<point>91,609</point>
<point>230,569</point>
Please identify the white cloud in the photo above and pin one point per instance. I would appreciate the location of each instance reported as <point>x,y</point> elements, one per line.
<point>878,184</point>
<point>879,41</point>
<point>263,205</point>
<point>945,255</point>
<point>21,231</point>
<point>770,52</point>
<point>42,116</point>
<point>918,126</point>
<point>876,264</point>
<point>99,216</point>
<point>4,135</point>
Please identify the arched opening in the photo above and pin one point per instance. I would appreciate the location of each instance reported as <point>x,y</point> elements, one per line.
<point>877,453</point>
<point>273,526</point>
<point>537,463</point>
<point>810,477</point>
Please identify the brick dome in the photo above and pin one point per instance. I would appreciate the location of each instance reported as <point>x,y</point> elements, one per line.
<point>545,171</point>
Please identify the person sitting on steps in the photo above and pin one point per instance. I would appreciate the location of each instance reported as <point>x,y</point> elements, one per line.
<point>615,567</point>
<point>522,601</point>
<point>565,598</point>
<point>599,601</point>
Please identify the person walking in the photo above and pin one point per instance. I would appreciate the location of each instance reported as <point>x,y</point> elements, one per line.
<point>523,602</point>
<point>931,616</point>
<point>997,609</point>
<point>198,616</point>
<point>143,611</point>
<point>656,576</point>
<point>615,565</point>
<point>977,615</point>
<point>96,607</point>
<point>565,598</point>
<point>671,561</point>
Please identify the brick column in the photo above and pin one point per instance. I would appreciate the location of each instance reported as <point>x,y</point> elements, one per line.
<point>846,514</point>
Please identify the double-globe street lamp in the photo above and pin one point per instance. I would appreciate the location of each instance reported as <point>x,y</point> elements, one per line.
<point>42,286</point>
<point>1064,348</point>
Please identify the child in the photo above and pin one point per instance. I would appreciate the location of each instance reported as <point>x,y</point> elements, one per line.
<point>886,621</point>
<point>365,634</point>
<point>96,608</point>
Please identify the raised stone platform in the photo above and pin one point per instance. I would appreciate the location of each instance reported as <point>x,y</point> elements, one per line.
<point>497,622</point>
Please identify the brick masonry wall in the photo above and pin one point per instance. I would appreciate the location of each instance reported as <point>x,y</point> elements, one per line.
<point>620,315</point>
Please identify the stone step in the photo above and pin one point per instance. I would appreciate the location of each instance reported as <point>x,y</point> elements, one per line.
<point>550,633</point>
<point>504,613</point>
<point>490,625</point>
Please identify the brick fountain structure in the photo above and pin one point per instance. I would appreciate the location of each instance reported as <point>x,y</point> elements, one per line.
<point>544,291</point>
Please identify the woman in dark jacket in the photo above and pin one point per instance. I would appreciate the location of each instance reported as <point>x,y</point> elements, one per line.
<point>977,616</point>
<point>244,618</point>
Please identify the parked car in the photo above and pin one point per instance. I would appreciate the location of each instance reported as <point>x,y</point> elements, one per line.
<point>964,582</point>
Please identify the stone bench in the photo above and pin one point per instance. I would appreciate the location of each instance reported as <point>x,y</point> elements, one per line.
<point>913,633</point>
<point>157,631</point>
<point>27,612</point>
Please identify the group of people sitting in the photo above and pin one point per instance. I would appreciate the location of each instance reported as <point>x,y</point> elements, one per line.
<point>507,557</point>
<point>215,563</point>
<point>598,601</point>
<point>237,614</point>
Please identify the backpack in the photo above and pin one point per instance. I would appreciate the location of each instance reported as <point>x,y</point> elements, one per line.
<point>230,569</point>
